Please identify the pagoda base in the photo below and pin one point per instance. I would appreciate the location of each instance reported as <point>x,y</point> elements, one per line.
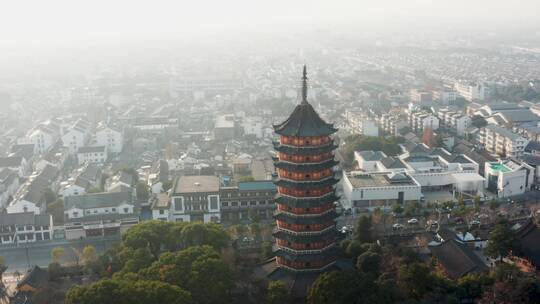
<point>297,281</point>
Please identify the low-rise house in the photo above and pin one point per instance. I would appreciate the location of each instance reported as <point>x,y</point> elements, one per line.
<point>92,154</point>
<point>30,197</point>
<point>99,214</point>
<point>34,280</point>
<point>76,136</point>
<point>27,227</point>
<point>85,178</point>
<point>419,121</point>
<point>161,207</point>
<point>121,182</point>
<point>16,163</point>
<point>456,259</point>
<point>528,237</point>
<point>110,137</point>
<point>9,183</point>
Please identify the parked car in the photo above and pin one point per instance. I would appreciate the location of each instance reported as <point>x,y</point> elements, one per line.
<point>412,221</point>
<point>483,216</point>
<point>459,220</point>
<point>474,223</point>
<point>432,223</point>
<point>397,227</point>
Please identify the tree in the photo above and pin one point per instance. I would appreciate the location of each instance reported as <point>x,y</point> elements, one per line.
<point>255,230</point>
<point>493,204</point>
<point>364,231</point>
<point>369,262</point>
<point>415,280</point>
<point>142,191</point>
<point>48,295</point>
<point>57,254</point>
<point>125,291</point>
<point>277,293</point>
<point>55,271</point>
<point>343,287</point>
<point>49,195</point>
<point>397,209</point>
<point>56,209</point>
<point>89,255</point>
<point>167,185</point>
<point>502,241</point>
<point>94,190</point>
<point>266,250</point>
<point>197,234</point>
<point>246,178</point>
<point>3,268</point>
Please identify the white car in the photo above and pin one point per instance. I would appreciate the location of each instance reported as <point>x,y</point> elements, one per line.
<point>483,216</point>
<point>412,221</point>
<point>475,223</point>
<point>432,223</point>
<point>397,227</point>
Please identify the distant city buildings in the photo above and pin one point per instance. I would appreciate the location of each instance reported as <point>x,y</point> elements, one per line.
<point>471,91</point>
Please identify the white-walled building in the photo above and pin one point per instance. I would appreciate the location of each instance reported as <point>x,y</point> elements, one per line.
<point>371,190</point>
<point>501,141</point>
<point>454,120</point>
<point>92,154</point>
<point>9,183</point>
<point>76,136</point>
<point>195,198</point>
<point>471,91</point>
<point>22,228</point>
<point>111,138</point>
<point>419,121</point>
<point>508,178</point>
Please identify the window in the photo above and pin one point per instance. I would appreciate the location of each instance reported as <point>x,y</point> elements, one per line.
<point>75,214</point>
<point>30,237</point>
<point>126,210</point>
<point>22,237</point>
<point>20,228</point>
<point>225,204</point>
<point>46,236</point>
<point>243,203</point>
<point>177,203</point>
<point>213,202</point>
<point>252,203</point>
<point>234,204</point>
<point>161,211</point>
<point>113,209</point>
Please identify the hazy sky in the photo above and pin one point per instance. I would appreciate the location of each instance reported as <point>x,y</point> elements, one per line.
<point>68,22</point>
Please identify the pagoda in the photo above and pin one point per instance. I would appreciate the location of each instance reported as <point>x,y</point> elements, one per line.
<point>305,214</point>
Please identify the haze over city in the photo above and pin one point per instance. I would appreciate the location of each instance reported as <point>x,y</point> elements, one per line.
<point>279,152</point>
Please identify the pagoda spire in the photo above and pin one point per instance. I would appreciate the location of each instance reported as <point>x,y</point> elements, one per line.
<point>304,86</point>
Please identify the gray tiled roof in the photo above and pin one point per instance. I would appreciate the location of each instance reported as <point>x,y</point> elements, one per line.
<point>372,155</point>
<point>97,200</point>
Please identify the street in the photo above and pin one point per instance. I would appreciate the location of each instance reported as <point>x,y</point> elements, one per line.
<point>24,256</point>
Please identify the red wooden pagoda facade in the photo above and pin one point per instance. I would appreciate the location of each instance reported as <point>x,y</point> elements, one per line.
<point>305,215</point>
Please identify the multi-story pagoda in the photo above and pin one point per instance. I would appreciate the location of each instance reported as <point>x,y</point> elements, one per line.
<point>305,215</point>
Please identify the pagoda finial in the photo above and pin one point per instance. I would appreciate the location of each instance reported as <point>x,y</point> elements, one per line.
<point>304,86</point>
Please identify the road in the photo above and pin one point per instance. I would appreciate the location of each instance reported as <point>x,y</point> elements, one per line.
<point>21,257</point>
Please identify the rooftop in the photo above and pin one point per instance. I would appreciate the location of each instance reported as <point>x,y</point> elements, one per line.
<point>93,149</point>
<point>199,183</point>
<point>500,167</point>
<point>256,185</point>
<point>380,180</point>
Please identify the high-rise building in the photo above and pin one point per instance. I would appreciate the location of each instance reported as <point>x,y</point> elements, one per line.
<point>305,216</point>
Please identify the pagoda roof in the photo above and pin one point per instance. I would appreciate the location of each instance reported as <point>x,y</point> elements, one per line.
<point>305,167</point>
<point>326,235</point>
<point>280,182</point>
<point>305,220</point>
<point>304,120</point>
<point>309,150</point>
<point>305,202</point>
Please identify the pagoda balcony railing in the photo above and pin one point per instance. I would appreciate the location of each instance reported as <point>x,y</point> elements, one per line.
<point>307,197</point>
<point>307,269</point>
<point>310,251</point>
<point>333,175</point>
<point>323,145</point>
<point>306,162</point>
<point>292,232</point>
<point>303,214</point>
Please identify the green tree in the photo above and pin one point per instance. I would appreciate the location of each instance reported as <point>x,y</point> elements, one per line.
<point>56,209</point>
<point>277,293</point>
<point>3,268</point>
<point>246,178</point>
<point>343,287</point>
<point>142,191</point>
<point>364,230</point>
<point>197,234</point>
<point>49,195</point>
<point>57,254</point>
<point>501,241</point>
<point>154,235</point>
<point>397,209</point>
<point>369,262</point>
<point>415,280</point>
<point>89,255</point>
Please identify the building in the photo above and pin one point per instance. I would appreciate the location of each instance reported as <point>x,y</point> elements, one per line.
<point>27,227</point>
<point>454,120</point>
<point>508,177</point>
<point>99,214</point>
<point>17,164</point>
<point>195,198</point>
<point>470,91</point>
<point>418,96</point>
<point>367,191</point>
<point>456,259</point>
<point>305,218</point>
<point>392,124</point>
<point>501,141</point>
<point>30,197</point>
<point>248,199</point>
<point>33,281</point>
<point>92,154</point>
<point>224,127</point>
<point>444,96</point>
<point>76,136</point>
<point>43,138</point>
<point>420,120</point>
<point>111,138</point>
<point>9,183</point>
